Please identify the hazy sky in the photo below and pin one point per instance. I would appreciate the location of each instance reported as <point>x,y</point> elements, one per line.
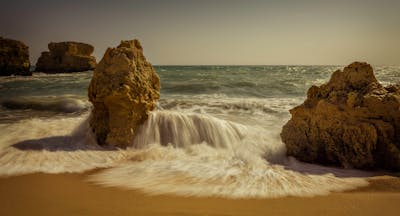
<point>216,32</point>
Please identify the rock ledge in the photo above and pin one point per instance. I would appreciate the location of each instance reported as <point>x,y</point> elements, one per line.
<point>64,57</point>
<point>14,58</point>
<point>352,121</point>
<point>123,90</point>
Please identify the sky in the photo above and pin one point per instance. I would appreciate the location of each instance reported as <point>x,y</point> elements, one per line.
<point>219,32</point>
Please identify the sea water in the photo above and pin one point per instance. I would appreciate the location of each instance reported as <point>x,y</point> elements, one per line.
<point>215,132</point>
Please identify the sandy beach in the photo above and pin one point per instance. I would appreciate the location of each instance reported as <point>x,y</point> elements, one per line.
<point>72,194</point>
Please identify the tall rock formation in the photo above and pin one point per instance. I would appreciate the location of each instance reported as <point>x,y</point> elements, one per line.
<point>351,121</point>
<point>14,58</point>
<point>123,90</point>
<point>66,57</point>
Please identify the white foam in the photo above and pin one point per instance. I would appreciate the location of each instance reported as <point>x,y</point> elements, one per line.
<point>199,155</point>
<point>37,128</point>
<point>52,146</point>
<point>180,130</point>
<point>174,153</point>
<point>203,171</point>
<point>62,103</point>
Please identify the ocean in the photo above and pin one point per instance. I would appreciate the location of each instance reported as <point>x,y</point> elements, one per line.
<point>215,132</point>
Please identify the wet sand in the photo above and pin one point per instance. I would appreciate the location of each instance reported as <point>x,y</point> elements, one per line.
<point>72,194</point>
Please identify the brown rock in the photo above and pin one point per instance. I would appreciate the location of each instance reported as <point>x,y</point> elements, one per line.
<point>14,58</point>
<point>123,90</point>
<point>66,57</point>
<point>351,121</point>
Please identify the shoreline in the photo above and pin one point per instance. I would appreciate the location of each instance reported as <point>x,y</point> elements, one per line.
<point>73,194</point>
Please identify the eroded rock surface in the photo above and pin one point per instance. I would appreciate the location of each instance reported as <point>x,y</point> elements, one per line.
<point>123,90</point>
<point>351,121</point>
<point>66,57</point>
<point>14,58</point>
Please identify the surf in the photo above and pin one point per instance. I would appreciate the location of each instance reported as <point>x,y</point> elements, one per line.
<point>186,154</point>
<point>218,141</point>
<point>62,104</point>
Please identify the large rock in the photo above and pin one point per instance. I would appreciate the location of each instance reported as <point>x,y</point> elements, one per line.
<point>351,121</point>
<point>14,58</point>
<point>123,90</point>
<point>66,57</point>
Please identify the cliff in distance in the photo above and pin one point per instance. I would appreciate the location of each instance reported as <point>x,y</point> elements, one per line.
<point>66,57</point>
<point>14,58</point>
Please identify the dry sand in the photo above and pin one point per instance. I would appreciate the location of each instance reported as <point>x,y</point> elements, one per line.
<point>72,194</point>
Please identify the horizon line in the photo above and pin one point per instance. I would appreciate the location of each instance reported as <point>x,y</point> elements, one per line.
<point>192,65</point>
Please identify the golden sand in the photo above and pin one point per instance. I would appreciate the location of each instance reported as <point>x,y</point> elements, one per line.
<point>72,194</point>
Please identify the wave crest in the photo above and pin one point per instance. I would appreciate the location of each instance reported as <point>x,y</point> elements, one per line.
<point>181,130</point>
<point>174,153</point>
<point>64,104</point>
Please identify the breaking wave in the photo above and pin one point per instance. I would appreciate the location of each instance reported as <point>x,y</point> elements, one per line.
<point>220,104</point>
<point>64,104</point>
<point>216,132</point>
<point>173,153</point>
<point>183,130</point>
<point>202,171</point>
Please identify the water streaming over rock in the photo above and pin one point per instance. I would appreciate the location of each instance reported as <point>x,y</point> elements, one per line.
<point>215,133</point>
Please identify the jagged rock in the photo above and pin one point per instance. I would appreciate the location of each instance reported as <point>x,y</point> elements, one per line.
<point>351,121</point>
<point>14,58</point>
<point>123,90</point>
<point>66,57</point>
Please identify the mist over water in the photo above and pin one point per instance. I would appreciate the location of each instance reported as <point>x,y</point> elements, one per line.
<point>215,132</point>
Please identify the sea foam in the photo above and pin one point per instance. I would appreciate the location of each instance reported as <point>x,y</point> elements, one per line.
<point>173,153</point>
<point>63,104</point>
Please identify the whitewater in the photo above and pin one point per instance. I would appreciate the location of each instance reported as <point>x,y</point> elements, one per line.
<point>215,132</point>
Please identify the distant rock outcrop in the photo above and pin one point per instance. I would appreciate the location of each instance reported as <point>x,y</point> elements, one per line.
<point>66,57</point>
<point>123,90</point>
<point>351,121</point>
<point>14,58</point>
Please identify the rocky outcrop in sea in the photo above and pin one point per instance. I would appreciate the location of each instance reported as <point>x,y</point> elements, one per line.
<point>123,90</point>
<point>64,57</point>
<point>352,121</point>
<point>14,58</point>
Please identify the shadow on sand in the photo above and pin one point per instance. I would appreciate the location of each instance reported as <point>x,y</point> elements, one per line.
<point>60,143</point>
<point>314,169</point>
